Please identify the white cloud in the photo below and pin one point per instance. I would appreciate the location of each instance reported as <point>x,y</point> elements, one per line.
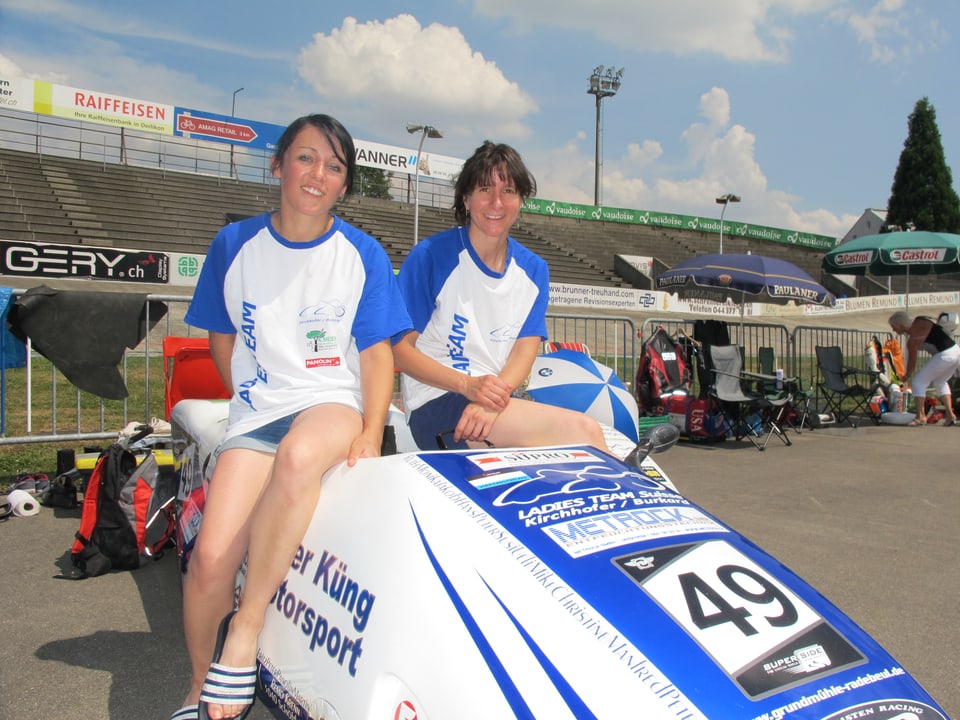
<point>644,154</point>
<point>128,25</point>
<point>715,108</point>
<point>401,71</point>
<point>10,68</point>
<point>736,29</point>
<point>105,67</point>
<point>891,31</point>
<point>720,158</point>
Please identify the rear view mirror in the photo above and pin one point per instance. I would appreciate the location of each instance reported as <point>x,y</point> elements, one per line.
<point>657,439</point>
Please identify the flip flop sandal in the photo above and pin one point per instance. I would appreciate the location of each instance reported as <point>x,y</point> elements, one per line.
<point>6,510</point>
<point>916,423</point>
<point>187,712</point>
<point>226,685</point>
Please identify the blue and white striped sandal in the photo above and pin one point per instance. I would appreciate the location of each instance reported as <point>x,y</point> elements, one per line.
<point>187,712</point>
<point>226,685</point>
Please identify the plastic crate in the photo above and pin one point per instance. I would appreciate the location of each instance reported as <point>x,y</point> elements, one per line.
<point>646,422</point>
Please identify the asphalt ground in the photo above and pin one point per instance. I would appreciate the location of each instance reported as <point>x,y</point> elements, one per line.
<point>868,516</point>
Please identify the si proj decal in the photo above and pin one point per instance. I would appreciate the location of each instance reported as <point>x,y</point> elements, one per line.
<point>523,458</point>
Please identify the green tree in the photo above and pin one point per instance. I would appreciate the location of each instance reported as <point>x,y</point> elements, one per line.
<point>922,193</point>
<point>371,182</point>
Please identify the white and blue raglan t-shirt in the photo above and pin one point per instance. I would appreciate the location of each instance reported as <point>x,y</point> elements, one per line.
<point>302,312</point>
<point>467,315</point>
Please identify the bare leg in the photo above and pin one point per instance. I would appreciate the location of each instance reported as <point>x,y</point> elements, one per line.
<point>525,423</point>
<point>947,401</point>
<point>319,438</point>
<point>208,588</point>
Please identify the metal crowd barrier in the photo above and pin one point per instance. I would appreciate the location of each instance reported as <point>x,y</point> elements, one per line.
<point>794,350</point>
<point>70,415</point>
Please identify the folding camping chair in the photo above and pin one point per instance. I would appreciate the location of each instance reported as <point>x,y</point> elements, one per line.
<point>754,416</point>
<point>775,387</point>
<point>189,371</point>
<point>837,391</point>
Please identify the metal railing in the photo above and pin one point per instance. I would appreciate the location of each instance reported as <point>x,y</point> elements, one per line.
<point>71,415</point>
<point>612,340</point>
<point>795,349</point>
<point>106,144</point>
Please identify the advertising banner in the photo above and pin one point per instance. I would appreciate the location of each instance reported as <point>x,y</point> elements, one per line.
<point>680,222</point>
<point>41,260</point>
<point>88,106</point>
<point>225,129</point>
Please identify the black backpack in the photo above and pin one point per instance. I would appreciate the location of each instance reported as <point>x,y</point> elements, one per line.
<point>128,514</point>
<point>663,368</point>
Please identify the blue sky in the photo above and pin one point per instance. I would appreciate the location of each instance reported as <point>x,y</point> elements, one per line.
<point>798,106</point>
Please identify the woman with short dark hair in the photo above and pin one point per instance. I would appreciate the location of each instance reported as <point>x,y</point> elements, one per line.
<point>478,302</point>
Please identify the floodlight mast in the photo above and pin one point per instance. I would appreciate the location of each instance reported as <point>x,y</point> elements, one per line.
<point>233,114</point>
<point>725,200</point>
<point>603,84</point>
<point>425,132</point>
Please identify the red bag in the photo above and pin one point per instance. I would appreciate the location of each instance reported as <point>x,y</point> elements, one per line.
<point>696,418</point>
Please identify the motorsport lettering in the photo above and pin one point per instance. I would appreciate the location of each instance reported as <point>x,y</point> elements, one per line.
<point>331,575</point>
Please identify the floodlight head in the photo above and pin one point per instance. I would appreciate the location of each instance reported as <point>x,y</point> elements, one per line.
<point>429,130</point>
<point>728,198</point>
<point>604,82</point>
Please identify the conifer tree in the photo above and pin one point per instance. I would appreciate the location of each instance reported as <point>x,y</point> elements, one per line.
<point>922,195</point>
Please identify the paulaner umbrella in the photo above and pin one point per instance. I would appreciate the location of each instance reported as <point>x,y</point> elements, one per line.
<point>896,253</point>
<point>743,278</point>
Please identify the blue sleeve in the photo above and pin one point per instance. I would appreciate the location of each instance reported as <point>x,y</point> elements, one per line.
<point>423,273</point>
<point>381,313</point>
<point>539,273</point>
<point>208,309</point>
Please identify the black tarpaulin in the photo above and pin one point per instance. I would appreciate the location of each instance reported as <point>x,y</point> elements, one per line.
<point>84,334</point>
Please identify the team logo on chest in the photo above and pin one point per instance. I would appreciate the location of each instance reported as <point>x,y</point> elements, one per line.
<point>321,348</point>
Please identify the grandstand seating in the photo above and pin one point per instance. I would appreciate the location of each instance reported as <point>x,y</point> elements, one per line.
<point>58,199</point>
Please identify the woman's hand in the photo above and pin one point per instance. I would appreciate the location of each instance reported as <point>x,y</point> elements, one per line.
<point>489,391</point>
<point>475,423</point>
<point>365,445</point>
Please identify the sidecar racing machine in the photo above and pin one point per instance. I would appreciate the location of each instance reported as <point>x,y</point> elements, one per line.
<point>551,583</point>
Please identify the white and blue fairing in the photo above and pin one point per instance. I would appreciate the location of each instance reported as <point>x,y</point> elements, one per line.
<point>548,583</point>
<point>552,583</point>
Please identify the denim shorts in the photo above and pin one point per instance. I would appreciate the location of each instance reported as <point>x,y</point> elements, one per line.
<point>440,415</point>
<point>264,438</point>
